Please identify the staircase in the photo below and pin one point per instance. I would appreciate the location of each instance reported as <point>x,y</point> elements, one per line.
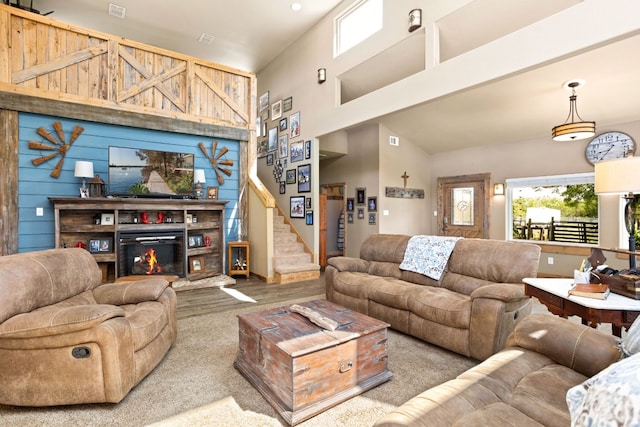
<point>291,262</point>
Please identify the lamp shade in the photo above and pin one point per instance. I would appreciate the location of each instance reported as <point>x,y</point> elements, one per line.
<point>198,176</point>
<point>83,170</point>
<point>619,176</point>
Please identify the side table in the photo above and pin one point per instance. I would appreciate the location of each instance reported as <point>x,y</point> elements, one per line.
<point>239,258</point>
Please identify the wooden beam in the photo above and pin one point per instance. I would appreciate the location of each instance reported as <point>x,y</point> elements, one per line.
<point>9,182</point>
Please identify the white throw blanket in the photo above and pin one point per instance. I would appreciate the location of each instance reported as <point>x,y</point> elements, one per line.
<point>428,255</point>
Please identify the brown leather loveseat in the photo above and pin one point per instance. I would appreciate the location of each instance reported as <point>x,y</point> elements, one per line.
<point>470,310</point>
<point>65,338</point>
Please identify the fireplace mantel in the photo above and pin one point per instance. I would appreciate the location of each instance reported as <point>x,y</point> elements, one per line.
<point>92,221</point>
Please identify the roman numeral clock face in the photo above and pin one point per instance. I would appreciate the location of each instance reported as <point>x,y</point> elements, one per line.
<point>610,145</point>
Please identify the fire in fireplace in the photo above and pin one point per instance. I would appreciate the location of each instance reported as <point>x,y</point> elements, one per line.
<point>151,253</point>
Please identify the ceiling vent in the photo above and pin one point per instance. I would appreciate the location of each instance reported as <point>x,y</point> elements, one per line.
<point>117,11</point>
<point>206,38</point>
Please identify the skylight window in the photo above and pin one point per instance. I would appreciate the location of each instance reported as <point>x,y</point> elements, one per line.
<point>357,23</point>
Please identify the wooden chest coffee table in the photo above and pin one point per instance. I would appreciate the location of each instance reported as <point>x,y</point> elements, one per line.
<point>302,369</point>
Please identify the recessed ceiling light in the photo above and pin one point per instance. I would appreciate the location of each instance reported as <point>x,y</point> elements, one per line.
<point>295,6</point>
<point>206,38</point>
<point>117,11</point>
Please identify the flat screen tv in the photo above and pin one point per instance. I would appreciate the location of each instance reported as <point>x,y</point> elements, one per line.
<point>149,173</point>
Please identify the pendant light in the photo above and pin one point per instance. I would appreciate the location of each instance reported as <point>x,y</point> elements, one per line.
<point>572,130</point>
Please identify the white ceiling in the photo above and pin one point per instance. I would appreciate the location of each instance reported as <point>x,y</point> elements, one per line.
<point>250,33</point>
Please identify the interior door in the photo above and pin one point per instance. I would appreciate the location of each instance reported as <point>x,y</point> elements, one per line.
<point>463,203</point>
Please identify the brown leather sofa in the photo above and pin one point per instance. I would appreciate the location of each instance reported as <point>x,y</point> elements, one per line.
<point>523,385</point>
<point>65,338</point>
<point>472,308</point>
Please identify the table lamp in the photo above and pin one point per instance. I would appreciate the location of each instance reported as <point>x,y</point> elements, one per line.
<point>199,179</point>
<point>83,170</point>
<point>621,176</point>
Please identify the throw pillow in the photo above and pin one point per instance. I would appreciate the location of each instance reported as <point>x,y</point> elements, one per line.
<point>609,398</point>
<point>630,344</point>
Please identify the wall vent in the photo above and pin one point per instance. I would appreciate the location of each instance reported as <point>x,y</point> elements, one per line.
<point>206,38</point>
<point>117,11</point>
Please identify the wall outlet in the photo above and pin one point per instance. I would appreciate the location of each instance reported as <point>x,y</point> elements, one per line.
<point>550,260</point>
<point>39,211</point>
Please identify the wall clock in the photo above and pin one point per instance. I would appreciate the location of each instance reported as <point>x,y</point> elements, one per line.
<point>608,146</point>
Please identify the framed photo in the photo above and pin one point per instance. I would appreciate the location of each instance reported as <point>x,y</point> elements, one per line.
<point>276,110</point>
<point>264,129</point>
<point>307,149</point>
<point>196,241</point>
<point>196,264</point>
<point>372,219</point>
<point>308,218</point>
<point>360,213</point>
<point>94,245</point>
<point>291,176</point>
<point>106,245</point>
<point>350,217</point>
<point>283,146</point>
<point>350,204</point>
<point>273,139</point>
<point>283,187</point>
<point>263,103</point>
<point>283,124</point>
<point>212,193</point>
<point>307,203</point>
<point>360,195</point>
<point>270,159</point>
<point>263,148</point>
<point>287,104</point>
<point>106,219</point>
<point>294,124</point>
<point>372,204</point>
<point>189,218</point>
<point>304,178</point>
<point>296,207</point>
<point>297,151</point>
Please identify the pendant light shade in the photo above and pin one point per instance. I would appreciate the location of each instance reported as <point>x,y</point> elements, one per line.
<point>572,130</point>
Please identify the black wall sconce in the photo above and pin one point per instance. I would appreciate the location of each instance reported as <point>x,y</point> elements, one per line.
<point>322,75</point>
<point>415,19</point>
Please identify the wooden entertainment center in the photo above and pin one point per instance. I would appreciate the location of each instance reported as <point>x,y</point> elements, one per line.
<point>195,227</point>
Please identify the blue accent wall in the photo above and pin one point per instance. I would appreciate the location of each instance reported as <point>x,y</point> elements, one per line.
<point>35,185</point>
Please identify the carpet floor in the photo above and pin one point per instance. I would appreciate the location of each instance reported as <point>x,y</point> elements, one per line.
<point>197,385</point>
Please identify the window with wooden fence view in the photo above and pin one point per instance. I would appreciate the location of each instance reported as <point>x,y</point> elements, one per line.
<point>558,213</point>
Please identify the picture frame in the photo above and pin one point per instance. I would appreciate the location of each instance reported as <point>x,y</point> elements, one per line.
<point>189,218</point>
<point>296,151</point>
<point>283,187</point>
<point>307,203</point>
<point>195,241</point>
<point>94,245</point>
<point>270,159</point>
<point>263,148</point>
<point>106,245</point>
<point>304,178</point>
<point>196,264</point>
<point>283,146</point>
<point>212,193</point>
<point>287,104</point>
<point>291,176</point>
<point>361,195</point>
<point>350,218</point>
<point>283,124</point>
<point>296,206</point>
<point>308,218</point>
<point>264,129</point>
<point>106,219</point>
<point>294,125</point>
<point>372,204</point>
<point>372,219</point>
<point>360,213</point>
<point>276,110</point>
<point>307,149</point>
<point>273,139</point>
<point>350,204</point>
<point>263,102</point>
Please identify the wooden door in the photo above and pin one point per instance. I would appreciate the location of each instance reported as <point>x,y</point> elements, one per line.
<point>463,203</point>
<point>322,224</point>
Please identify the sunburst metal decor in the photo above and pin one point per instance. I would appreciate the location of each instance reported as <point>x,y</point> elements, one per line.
<point>215,160</point>
<point>59,147</point>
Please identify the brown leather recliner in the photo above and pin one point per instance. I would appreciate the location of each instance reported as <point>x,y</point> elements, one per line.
<point>66,338</point>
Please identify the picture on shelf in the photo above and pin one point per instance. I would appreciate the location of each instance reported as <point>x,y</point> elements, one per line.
<point>212,193</point>
<point>94,245</point>
<point>106,219</point>
<point>196,241</point>
<point>105,245</point>
<point>196,264</point>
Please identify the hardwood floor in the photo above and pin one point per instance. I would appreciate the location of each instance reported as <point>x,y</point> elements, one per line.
<point>196,302</point>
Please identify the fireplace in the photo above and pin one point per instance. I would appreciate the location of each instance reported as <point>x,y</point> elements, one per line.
<point>151,253</point>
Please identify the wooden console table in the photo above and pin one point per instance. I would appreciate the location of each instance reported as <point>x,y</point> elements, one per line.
<point>82,220</point>
<point>618,310</point>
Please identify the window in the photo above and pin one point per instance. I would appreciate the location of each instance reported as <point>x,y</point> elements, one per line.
<point>357,23</point>
<point>562,208</point>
